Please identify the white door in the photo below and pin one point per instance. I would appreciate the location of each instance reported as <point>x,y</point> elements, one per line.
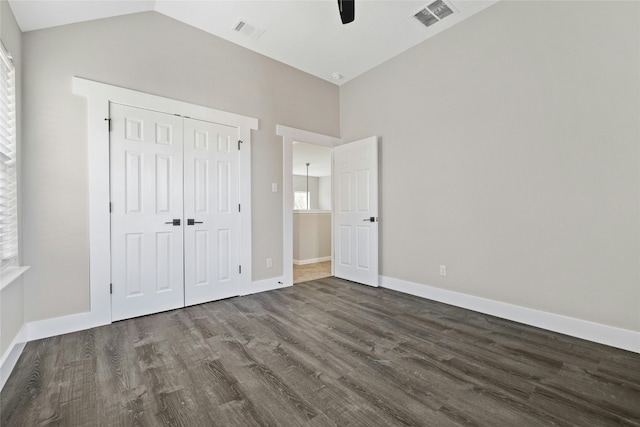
<point>212,211</point>
<point>356,211</point>
<point>146,212</point>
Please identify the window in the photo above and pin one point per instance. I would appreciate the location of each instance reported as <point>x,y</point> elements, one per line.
<point>300,200</point>
<point>8,180</point>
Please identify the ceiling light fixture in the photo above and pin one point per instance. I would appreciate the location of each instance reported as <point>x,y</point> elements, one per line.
<point>336,76</point>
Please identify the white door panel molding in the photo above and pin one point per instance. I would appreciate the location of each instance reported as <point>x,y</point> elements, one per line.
<point>99,96</point>
<point>356,211</point>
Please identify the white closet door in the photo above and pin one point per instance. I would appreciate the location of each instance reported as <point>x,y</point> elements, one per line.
<point>147,204</point>
<point>211,208</point>
<point>356,211</point>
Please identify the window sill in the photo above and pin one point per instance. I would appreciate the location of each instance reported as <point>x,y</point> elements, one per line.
<point>312,211</point>
<point>10,274</point>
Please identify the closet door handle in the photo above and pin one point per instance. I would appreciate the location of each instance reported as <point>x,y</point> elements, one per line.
<point>191,221</point>
<point>175,222</point>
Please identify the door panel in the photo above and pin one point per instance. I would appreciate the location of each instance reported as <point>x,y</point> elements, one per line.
<point>364,247</point>
<point>146,194</point>
<point>356,196</point>
<point>166,168</point>
<point>163,184</point>
<point>164,254</point>
<point>211,199</point>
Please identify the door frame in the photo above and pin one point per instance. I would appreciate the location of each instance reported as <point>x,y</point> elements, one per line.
<point>99,96</point>
<point>289,136</point>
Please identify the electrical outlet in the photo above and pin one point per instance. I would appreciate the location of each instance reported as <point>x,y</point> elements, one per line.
<point>269,263</point>
<point>443,270</point>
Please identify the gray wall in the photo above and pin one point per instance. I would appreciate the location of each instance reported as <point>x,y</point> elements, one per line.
<point>12,297</point>
<point>510,153</point>
<point>300,184</point>
<point>311,235</point>
<point>324,193</point>
<point>151,53</point>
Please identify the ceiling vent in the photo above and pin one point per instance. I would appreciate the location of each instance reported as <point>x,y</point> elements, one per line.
<point>248,30</point>
<point>435,12</point>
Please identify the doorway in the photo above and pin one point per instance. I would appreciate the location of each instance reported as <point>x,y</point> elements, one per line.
<point>312,199</point>
<point>354,220</point>
<point>289,136</point>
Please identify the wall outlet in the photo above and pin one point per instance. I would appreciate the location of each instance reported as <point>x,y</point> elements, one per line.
<point>269,263</point>
<point>443,270</point>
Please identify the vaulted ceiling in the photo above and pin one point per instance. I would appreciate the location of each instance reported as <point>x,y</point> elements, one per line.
<point>305,34</point>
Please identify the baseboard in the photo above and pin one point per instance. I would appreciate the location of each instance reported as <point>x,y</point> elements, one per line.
<point>266,285</point>
<point>11,356</point>
<point>81,321</point>
<point>591,331</point>
<point>62,325</point>
<point>43,329</point>
<point>311,260</point>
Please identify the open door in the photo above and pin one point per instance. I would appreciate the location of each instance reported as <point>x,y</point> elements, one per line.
<point>356,211</point>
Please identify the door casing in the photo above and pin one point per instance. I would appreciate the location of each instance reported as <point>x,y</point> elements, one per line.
<point>99,95</point>
<point>289,136</point>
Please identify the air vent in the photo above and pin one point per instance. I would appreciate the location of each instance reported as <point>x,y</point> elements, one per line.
<point>248,30</point>
<point>435,12</point>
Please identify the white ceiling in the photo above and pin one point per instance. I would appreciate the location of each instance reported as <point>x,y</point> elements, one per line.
<point>305,34</point>
<point>318,157</point>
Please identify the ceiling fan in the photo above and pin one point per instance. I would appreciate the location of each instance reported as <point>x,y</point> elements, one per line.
<point>347,10</point>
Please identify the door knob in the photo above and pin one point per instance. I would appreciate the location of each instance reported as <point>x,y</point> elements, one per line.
<point>191,221</point>
<point>175,222</point>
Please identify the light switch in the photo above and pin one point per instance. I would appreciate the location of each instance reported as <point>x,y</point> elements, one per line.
<point>274,187</point>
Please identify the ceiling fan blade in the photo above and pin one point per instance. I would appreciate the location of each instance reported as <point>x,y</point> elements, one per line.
<point>347,10</point>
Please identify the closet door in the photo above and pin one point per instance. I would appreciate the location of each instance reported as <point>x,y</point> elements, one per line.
<point>211,209</point>
<point>146,212</point>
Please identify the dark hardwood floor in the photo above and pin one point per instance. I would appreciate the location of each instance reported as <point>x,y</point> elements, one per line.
<point>323,353</point>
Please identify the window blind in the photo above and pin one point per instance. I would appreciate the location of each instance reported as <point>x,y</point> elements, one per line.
<point>8,175</point>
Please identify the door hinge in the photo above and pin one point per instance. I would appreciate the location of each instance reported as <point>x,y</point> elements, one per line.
<point>109,120</point>
<point>240,269</point>
<point>110,207</point>
<point>239,142</point>
<point>111,288</point>
<point>239,208</point>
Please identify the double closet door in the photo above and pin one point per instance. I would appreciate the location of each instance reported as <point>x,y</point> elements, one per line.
<point>175,221</point>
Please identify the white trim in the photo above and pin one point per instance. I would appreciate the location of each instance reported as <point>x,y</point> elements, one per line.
<point>244,172</point>
<point>311,260</point>
<point>265,285</point>
<point>10,274</point>
<point>62,325</point>
<point>596,332</point>
<point>289,136</point>
<point>82,321</point>
<point>106,92</point>
<point>313,211</point>
<point>11,356</point>
<point>99,95</point>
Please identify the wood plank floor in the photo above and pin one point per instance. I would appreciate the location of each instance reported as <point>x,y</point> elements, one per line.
<point>323,353</point>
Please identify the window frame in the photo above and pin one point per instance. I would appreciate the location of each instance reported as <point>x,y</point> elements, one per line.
<point>9,242</point>
<point>307,200</point>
